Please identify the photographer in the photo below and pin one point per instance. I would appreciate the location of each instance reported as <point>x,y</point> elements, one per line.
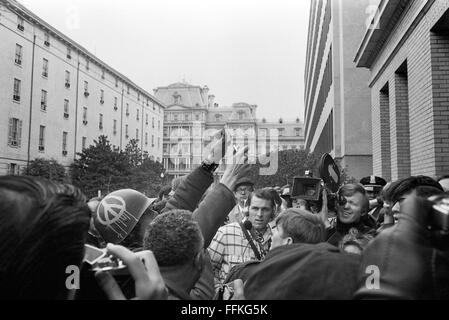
<point>352,204</point>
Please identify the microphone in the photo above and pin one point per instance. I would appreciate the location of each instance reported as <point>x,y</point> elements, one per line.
<point>248,225</point>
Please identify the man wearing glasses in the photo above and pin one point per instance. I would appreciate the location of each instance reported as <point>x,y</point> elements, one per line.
<point>242,192</point>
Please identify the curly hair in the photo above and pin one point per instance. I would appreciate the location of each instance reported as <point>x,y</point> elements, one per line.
<point>174,237</point>
<point>355,238</point>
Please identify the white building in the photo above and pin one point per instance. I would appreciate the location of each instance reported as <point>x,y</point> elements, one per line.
<point>56,97</point>
<point>192,118</point>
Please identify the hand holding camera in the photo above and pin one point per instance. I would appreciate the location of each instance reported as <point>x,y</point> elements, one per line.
<point>143,268</point>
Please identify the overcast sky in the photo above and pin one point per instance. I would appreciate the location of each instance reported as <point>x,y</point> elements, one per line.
<point>244,50</point>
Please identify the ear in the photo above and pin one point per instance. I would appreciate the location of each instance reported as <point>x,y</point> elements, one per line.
<point>289,240</point>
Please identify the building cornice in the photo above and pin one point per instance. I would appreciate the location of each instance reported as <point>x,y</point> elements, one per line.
<point>383,23</point>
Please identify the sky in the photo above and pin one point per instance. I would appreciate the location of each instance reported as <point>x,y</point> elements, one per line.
<point>244,50</point>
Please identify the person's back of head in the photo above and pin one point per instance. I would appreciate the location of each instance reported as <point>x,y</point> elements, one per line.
<point>43,229</point>
<point>174,238</point>
<point>301,226</point>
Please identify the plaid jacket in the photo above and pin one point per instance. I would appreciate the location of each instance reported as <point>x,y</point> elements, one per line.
<point>230,247</point>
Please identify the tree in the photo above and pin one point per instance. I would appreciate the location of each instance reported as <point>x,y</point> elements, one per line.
<point>45,168</point>
<point>290,163</point>
<point>146,177</point>
<point>99,167</point>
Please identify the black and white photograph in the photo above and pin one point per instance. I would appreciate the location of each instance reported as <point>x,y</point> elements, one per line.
<point>226,154</point>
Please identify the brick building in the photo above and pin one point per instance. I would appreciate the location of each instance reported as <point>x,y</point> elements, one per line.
<point>407,51</point>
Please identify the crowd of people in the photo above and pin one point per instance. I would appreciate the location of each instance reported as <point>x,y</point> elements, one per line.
<point>201,240</point>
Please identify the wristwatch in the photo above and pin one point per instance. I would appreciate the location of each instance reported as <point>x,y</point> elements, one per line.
<point>209,165</point>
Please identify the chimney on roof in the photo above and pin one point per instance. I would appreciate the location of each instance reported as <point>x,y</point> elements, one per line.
<point>205,94</point>
<point>211,101</point>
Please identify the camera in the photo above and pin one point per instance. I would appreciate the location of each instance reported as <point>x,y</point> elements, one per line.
<point>311,189</point>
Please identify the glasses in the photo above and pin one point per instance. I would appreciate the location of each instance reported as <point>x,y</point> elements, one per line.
<point>243,189</point>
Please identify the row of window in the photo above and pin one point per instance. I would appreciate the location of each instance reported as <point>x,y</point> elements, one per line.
<point>15,135</point>
<point>182,117</point>
<point>44,99</point>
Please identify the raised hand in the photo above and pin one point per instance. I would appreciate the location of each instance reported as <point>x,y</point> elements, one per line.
<point>236,169</point>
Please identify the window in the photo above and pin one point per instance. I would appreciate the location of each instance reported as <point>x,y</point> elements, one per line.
<point>138,96</point>
<point>137,115</point>
<point>45,68</point>
<point>158,143</point>
<point>66,108</point>
<point>127,89</point>
<point>85,115</point>
<point>67,79</point>
<point>146,119</point>
<point>165,117</point>
<point>18,58</point>
<point>115,103</point>
<point>154,107</point>
<point>241,115</point>
<point>159,124</point>
<point>87,64</point>
<point>281,132</point>
<point>166,149</point>
<point>165,132</point>
<point>41,138</point>
<point>137,134</point>
<point>284,148</point>
<point>101,96</point>
<point>12,169</point>
<point>115,127</point>
<point>20,23</point>
<point>16,93</point>
<point>175,117</point>
<point>127,109</point>
<point>126,131</point>
<point>297,132</point>
<point>102,73</point>
<point>44,100</point>
<point>197,117</point>
<point>64,143</point>
<point>146,138</point>
<point>116,82</point>
<point>153,122</point>
<point>263,132</point>
<point>100,123</point>
<point>152,141</point>
<point>69,53</point>
<point>15,132</point>
<point>47,39</point>
<point>86,88</point>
